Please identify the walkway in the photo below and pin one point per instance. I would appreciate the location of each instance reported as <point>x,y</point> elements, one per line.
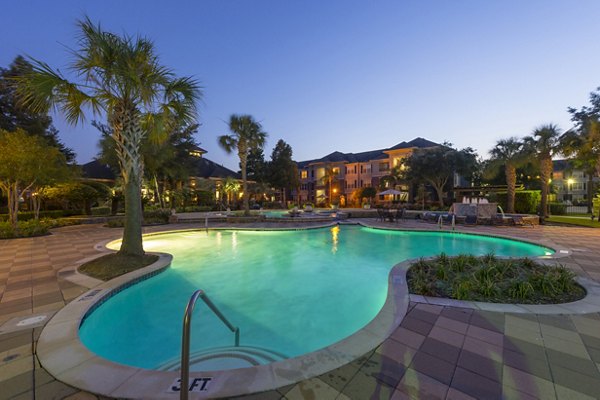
<point>437,352</point>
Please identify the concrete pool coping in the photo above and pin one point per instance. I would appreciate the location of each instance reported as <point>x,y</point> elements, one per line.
<point>61,352</point>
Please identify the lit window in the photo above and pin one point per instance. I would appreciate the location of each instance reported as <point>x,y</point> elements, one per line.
<point>304,174</point>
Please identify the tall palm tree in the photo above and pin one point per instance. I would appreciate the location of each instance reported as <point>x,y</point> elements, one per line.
<point>508,152</point>
<point>247,135</point>
<point>543,144</point>
<point>121,78</point>
<point>329,175</point>
<point>583,143</point>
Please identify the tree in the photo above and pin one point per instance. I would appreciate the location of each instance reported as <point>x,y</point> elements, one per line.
<point>257,169</point>
<point>394,178</point>
<point>369,193</point>
<point>583,141</point>
<point>26,161</point>
<point>164,161</point>
<point>122,78</point>
<point>247,135</point>
<point>437,166</point>
<point>508,153</point>
<point>543,144</point>
<point>329,175</point>
<point>78,195</point>
<point>283,171</point>
<point>230,187</point>
<point>13,117</point>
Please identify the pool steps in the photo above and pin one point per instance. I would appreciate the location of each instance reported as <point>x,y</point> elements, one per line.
<point>241,356</point>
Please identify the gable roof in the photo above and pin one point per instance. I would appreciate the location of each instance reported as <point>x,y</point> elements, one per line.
<point>417,142</point>
<point>97,170</point>
<point>204,168</point>
<point>365,156</point>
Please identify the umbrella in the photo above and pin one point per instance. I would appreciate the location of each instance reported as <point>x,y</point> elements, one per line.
<point>390,191</point>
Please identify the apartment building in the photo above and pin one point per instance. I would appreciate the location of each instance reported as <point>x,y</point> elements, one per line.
<point>571,184</point>
<point>337,176</point>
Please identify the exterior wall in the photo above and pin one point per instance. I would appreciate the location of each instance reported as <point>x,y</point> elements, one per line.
<point>571,185</point>
<point>352,177</point>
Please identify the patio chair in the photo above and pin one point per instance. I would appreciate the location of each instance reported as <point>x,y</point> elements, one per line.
<point>380,214</point>
<point>399,214</point>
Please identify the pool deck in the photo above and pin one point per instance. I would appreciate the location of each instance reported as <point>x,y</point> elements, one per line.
<point>439,351</point>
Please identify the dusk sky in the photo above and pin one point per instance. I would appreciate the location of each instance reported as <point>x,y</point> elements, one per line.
<point>344,75</point>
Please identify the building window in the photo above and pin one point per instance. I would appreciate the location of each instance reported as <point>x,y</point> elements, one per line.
<point>304,174</point>
<point>384,166</point>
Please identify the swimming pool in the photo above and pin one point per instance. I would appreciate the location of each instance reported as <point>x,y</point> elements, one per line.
<point>290,292</point>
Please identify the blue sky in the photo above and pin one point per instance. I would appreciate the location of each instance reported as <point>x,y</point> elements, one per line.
<point>345,75</point>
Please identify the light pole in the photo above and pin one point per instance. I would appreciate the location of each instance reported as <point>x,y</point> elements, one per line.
<point>569,184</point>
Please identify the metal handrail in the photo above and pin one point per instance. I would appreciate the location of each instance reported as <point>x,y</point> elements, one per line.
<point>185,339</point>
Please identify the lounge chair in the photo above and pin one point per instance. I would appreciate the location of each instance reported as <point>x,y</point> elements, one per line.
<point>498,220</point>
<point>518,220</point>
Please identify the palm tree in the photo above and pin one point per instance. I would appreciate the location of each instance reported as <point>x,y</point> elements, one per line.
<point>583,143</point>
<point>121,77</point>
<point>329,175</point>
<point>543,144</point>
<point>508,152</point>
<point>230,187</point>
<point>247,135</point>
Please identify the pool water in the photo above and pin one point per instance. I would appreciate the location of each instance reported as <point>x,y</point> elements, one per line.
<point>291,292</point>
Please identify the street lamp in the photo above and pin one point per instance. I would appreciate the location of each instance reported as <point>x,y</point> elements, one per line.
<point>569,184</point>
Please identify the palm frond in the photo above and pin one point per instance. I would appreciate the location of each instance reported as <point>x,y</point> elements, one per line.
<point>227,143</point>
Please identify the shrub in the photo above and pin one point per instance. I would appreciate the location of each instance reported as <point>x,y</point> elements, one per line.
<point>100,210</point>
<point>526,201</point>
<point>490,279</point>
<point>29,215</point>
<point>24,229</point>
<point>558,209</point>
<point>160,215</point>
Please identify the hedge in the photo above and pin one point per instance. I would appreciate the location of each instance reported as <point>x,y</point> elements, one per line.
<point>558,208</point>
<point>29,215</point>
<point>526,201</point>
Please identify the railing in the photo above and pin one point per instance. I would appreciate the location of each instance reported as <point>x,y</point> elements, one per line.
<point>185,339</point>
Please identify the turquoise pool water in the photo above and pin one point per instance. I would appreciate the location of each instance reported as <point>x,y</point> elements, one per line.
<point>292,292</point>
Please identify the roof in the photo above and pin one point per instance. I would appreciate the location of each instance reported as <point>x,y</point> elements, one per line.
<point>561,165</point>
<point>97,170</point>
<point>417,142</point>
<point>204,168</point>
<point>365,156</point>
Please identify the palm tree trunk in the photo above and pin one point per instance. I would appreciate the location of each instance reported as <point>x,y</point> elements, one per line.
<point>128,136</point>
<point>158,196</point>
<point>545,172</point>
<point>132,233</point>
<point>511,183</point>
<point>245,186</point>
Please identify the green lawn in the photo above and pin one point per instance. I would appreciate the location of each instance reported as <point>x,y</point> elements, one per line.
<point>572,220</point>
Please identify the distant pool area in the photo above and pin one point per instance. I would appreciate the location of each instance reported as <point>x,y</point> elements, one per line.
<point>290,292</point>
